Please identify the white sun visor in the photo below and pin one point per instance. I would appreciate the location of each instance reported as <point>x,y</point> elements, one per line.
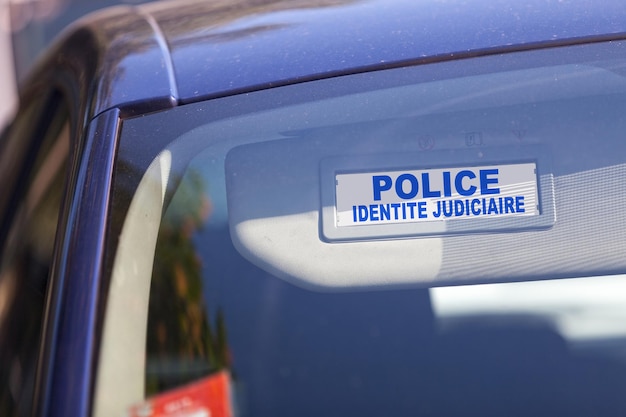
<point>465,180</point>
<point>313,217</point>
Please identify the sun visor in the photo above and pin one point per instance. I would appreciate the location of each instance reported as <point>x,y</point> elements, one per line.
<point>504,182</point>
<point>274,208</point>
<point>322,215</point>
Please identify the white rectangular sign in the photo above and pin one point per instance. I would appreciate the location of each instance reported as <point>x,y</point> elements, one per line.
<point>439,194</point>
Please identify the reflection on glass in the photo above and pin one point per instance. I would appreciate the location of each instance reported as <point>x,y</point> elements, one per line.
<point>580,310</point>
<point>25,264</point>
<point>388,351</point>
<point>182,344</point>
<point>546,348</point>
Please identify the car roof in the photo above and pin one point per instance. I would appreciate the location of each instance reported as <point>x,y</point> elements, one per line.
<point>154,56</point>
<point>228,46</point>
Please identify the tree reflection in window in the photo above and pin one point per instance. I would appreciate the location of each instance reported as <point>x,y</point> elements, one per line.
<point>182,344</point>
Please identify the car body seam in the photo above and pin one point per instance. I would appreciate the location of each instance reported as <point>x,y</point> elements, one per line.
<point>159,37</point>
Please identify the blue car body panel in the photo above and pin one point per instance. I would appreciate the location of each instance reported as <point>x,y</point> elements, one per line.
<point>281,45</point>
<point>159,55</point>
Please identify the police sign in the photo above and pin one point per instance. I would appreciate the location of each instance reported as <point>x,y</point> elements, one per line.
<point>438,194</point>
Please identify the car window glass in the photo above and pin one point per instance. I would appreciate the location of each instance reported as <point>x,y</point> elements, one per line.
<point>26,260</point>
<point>221,300</point>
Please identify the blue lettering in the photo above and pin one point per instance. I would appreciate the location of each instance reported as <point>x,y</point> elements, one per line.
<point>373,212</point>
<point>447,188</point>
<point>519,204</point>
<point>411,205</point>
<point>475,211</point>
<point>381,183</point>
<point>400,187</point>
<point>395,207</point>
<point>508,205</point>
<point>426,187</point>
<point>363,213</point>
<point>459,208</point>
<point>421,210</point>
<point>437,213</point>
<point>384,212</point>
<point>458,182</point>
<point>485,181</point>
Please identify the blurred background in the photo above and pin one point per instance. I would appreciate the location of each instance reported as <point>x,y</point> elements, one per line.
<point>27,27</point>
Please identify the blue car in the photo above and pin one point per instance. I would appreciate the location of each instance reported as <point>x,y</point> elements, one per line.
<point>331,207</point>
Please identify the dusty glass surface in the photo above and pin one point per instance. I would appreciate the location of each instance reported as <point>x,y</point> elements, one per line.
<point>239,289</point>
